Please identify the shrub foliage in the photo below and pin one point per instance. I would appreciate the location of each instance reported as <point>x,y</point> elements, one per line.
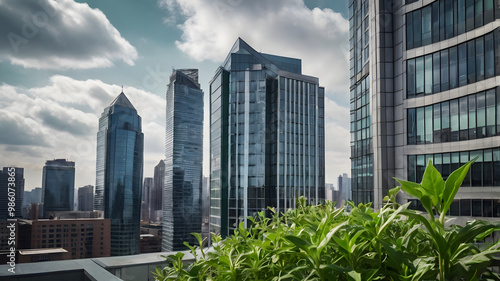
<point>327,243</point>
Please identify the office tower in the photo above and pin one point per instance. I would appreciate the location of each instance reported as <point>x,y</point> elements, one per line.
<point>36,195</point>
<point>183,160</point>
<point>147,187</point>
<point>329,191</point>
<point>266,137</point>
<point>58,186</point>
<point>344,185</point>
<point>86,198</point>
<point>11,186</point>
<point>424,86</point>
<point>156,206</point>
<point>120,149</point>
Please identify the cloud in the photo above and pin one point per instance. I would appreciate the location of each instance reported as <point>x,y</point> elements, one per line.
<point>283,27</point>
<point>337,136</point>
<point>49,34</point>
<point>60,120</point>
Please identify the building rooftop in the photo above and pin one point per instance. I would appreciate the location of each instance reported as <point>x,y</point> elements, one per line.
<point>27,252</point>
<point>122,100</point>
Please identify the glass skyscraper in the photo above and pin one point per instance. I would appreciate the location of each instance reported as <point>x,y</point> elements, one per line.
<point>15,176</point>
<point>183,160</point>
<point>120,148</point>
<point>424,86</point>
<point>58,186</point>
<point>266,137</point>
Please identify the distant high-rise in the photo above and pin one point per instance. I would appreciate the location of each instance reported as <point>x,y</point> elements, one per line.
<point>156,207</point>
<point>266,137</point>
<point>36,195</point>
<point>58,186</point>
<point>11,177</point>
<point>183,163</point>
<point>86,198</point>
<point>146,198</point>
<point>120,149</point>
<point>344,185</point>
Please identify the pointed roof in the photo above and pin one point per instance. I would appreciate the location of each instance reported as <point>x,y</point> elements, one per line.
<point>122,100</point>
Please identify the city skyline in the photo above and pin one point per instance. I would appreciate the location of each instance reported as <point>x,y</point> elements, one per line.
<point>51,100</point>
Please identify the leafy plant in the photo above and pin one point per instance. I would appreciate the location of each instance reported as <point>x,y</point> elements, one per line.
<point>327,243</point>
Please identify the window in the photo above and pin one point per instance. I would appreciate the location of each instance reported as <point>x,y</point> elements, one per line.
<point>479,59</point>
<point>462,65</point>
<point>464,123</point>
<point>426,25</point>
<point>471,62</point>
<point>419,81</point>
<point>444,71</point>
<point>489,56</point>
<point>453,68</point>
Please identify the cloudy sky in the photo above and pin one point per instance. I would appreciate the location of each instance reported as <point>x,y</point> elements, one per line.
<point>62,62</point>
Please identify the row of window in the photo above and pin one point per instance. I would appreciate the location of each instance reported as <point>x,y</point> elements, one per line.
<point>467,207</point>
<point>485,171</point>
<point>444,19</point>
<point>466,118</point>
<point>454,67</point>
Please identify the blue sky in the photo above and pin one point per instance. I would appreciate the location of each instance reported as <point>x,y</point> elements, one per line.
<point>62,62</point>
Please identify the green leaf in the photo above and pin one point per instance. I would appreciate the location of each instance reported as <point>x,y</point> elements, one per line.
<point>427,203</point>
<point>410,187</point>
<point>353,275</point>
<point>325,241</point>
<point>432,184</point>
<point>451,186</point>
<point>392,217</point>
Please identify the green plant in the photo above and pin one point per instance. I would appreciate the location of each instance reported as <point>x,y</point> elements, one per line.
<point>325,243</point>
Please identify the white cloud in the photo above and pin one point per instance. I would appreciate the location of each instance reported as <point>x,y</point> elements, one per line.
<point>283,27</point>
<point>60,120</point>
<point>49,34</point>
<point>337,136</point>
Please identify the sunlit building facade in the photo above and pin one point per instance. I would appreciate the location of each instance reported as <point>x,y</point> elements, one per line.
<point>428,74</point>
<point>183,160</point>
<point>266,137</point>
<point>120,149</point>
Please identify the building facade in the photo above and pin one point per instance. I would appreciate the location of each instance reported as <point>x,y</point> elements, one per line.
<point>120,149</point>
<point>425,86</point>
<point>156,207</point>
<point>183,160</point>
<point>11,186</point>
<point>147,188</point>
<point>58,186</point>
<point>86,198</point>
<point>82,238</point>
<point>266,137</point>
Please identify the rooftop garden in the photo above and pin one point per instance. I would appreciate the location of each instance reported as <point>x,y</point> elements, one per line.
<point>327,243</point>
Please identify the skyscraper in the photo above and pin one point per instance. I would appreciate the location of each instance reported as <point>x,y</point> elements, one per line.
<point>344,185</point>
<point>147,187</point>
<point>86,198</point>
<point>183,160</point>
<point>156,208</point>
<point>13,178</point>
<point>424,86</point>
<point>58,186</point>
<point>120,149</point>
<point>266,136</point>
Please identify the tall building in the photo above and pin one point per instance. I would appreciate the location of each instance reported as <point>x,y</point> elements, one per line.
<point>36,195</point>
<point>147,188</point>
<point>58,185</point>
<point>425,86</point>
<point>86,198</point>
<point>344,185</point>
<point>266,137</point>
<point>183,160</point>
<point>11,185</point>
<point>120,149</point>
<point>156,207</point>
